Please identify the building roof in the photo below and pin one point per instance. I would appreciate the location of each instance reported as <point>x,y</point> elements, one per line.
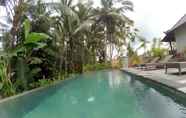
<point>170,33</point>
<point>169,37</point>
<point>178,24</point>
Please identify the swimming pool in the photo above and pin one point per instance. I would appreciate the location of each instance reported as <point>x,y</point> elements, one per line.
<point>102,94</point>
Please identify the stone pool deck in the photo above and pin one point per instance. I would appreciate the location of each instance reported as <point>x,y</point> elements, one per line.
<point>170,80</point>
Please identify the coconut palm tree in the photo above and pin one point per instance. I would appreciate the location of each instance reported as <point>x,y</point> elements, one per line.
<point>143,44</point>
<point>111,16</point>
<point>70,26</point>
<point>156,48</point>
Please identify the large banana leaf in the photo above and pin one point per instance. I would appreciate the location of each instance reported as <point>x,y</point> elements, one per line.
<point>27,27</point>
<point>36,37</point>
<point>35,60</point>
<point>1,86</point>
<point>32,37</point>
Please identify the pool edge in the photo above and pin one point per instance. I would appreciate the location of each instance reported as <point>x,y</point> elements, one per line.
<point>167,87</point>
<point>34,90</point>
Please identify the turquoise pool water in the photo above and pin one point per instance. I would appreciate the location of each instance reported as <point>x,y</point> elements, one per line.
<point>103,94</point>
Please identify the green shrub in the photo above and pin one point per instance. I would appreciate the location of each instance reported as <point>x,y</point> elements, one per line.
<point>97,66</point>
<point>42,83</point>
<point>6,85</point>
<point>158,52</point>
<point>45,82</point>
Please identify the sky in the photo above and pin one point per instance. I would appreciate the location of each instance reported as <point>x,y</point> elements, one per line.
<point>2,13</point>
<point>152,17</point>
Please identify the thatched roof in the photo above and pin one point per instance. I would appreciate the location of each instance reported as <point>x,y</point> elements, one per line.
<point>170,33</point>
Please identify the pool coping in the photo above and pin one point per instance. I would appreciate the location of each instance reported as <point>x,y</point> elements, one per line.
<point>28,92</point>
<point>164,84</point>
<point>34,90</point>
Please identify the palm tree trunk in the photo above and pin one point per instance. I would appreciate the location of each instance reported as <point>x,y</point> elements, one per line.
<point>69,57</point>
<point>16,19</point>
<point>109,38</point>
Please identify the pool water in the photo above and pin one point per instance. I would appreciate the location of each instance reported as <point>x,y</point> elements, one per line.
<point>102,94</point>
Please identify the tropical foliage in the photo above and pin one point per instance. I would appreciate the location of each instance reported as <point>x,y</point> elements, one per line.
<point>48,41</point>
<point>156,49</point>
<point>150,50</point>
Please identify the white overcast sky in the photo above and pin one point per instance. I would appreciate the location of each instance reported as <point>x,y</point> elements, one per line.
<point>153,17</point>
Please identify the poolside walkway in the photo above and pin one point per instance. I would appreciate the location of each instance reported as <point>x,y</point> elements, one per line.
<point>174,81</point>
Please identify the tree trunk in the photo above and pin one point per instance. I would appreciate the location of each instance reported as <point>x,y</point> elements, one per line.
<point>69,56</point>
<point>109,38</point>
<point>16,20</point>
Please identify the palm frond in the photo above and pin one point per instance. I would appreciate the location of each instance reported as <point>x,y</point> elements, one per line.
<point>121,17</point>
<point>66,11</point>
<point>107,3</point>
<point>85,26</point>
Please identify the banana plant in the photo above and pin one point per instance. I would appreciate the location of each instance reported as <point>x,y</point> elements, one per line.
<point>32,41</point>
<point>6,85</point>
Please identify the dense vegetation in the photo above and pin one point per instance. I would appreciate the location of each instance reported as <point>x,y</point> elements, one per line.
<point>48,41</point>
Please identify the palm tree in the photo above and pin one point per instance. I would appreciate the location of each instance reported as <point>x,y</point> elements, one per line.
<point>15,10</point>
<point>111,16</point>
<point>143,44</point>
<point>156,48</point>
<point>70,27</point>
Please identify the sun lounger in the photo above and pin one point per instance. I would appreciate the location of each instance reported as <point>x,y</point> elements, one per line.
<point>154,60</point>
<point>146,60</point>
<point>178,65</point>
<point>158,65</point>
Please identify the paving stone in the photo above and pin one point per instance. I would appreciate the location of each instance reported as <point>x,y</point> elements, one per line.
<point>175,81</point>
